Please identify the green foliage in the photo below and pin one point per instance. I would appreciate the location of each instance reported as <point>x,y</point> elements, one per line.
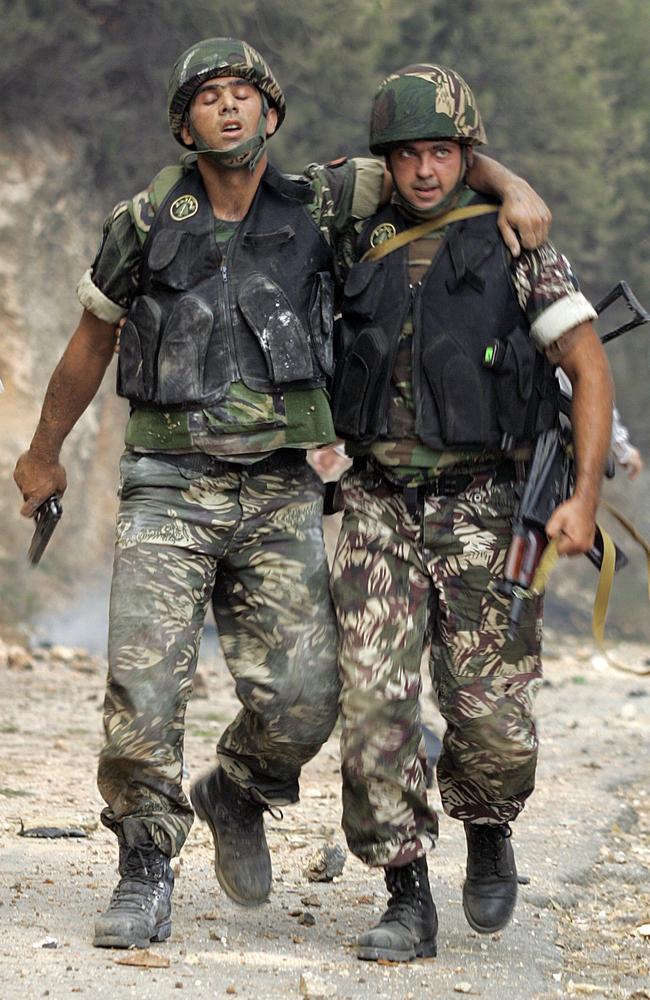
<point>562,85</point>
<point>100,70</point>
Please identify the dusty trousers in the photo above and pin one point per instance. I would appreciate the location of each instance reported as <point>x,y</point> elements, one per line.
<point>403,579</point>
<point>191,530</point>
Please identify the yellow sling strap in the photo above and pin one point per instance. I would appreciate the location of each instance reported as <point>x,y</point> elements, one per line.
<point>605,579</point>
<point>424,228</point>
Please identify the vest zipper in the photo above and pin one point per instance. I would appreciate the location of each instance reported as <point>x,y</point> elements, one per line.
<point>225,309</point>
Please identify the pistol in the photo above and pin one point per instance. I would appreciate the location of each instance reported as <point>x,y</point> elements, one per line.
<point>46,517</point>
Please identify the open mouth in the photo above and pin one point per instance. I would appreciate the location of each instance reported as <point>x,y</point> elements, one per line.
<point>231,128</point>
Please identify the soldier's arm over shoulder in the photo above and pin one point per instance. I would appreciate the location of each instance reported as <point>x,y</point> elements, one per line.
<point>345,190</point>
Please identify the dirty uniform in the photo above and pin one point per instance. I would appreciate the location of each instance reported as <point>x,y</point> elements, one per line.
<point>217,500</point>
<point>428,508</point>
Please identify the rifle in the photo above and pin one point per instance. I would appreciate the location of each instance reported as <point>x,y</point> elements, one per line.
<point>550,482</point>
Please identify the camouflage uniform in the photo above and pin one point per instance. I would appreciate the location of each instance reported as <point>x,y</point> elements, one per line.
<point>190,528</point>
<point>218,504</point>
<point>398,578</point>
<point>423,542</point>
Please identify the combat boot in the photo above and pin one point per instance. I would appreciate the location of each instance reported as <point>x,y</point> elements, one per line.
<point>241,855</point>
<point>408,928</point>
<point>490,889</point>
<point>140,908</point>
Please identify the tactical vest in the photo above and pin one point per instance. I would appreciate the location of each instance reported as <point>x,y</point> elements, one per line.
<point>260,312</point>
<point>465,315</point>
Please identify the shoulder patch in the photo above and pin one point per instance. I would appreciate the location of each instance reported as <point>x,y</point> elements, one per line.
<point>142,211</point>
<point>337,162</point>
<point>120,209</point>
<point>143,206</point>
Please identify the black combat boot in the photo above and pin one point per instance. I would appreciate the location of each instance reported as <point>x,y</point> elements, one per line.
<point>408,928</point>
<point>490,889</point>
<point>140,908</point>
<point>241,855</point>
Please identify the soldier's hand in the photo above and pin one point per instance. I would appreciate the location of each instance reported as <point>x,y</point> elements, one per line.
<point>37,479</point>
<point>523,210</point>
<point>573,526</point>
<point>328,462</point>
<point>118,331</point>
<point>633,463</point>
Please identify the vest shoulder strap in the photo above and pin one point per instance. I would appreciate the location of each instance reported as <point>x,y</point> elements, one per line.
<point>424,228</point>
<point>146,203</point>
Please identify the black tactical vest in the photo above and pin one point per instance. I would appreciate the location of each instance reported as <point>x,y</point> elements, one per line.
<point>260,312</point>
<point>464,305</point>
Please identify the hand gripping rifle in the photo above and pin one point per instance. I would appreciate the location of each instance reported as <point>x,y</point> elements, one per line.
<point>549,482</point>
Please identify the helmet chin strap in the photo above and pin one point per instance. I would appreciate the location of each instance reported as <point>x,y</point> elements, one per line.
<point>441,207</point>
<point>246,154</point>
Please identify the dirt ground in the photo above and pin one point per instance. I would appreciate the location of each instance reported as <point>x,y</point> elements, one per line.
<point>581,926</point>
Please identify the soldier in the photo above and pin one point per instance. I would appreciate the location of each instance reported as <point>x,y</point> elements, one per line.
<point>439,439</point>
<point>224,270</point>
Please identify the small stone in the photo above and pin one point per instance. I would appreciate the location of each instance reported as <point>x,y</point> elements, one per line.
<point>326,863</point>
<point>48,942</point>
<point>307,919</point>
<point>315,989</point>
<point>64,653</point>
<point>19,659</point>
<point>231,990</point>
<point>463,988</point>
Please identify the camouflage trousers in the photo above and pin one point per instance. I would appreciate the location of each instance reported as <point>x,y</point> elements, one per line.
<point>249,538</point>
<point>399,581</point>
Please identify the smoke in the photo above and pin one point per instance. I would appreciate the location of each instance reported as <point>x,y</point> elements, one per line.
<point>83,622</point>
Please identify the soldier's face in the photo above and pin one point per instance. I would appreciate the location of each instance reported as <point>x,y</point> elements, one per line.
<point>225,111</point>
<point>425,170</point>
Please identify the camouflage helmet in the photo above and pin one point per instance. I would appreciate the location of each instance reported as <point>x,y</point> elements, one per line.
<point>424,102</point>
<point>218,57</point>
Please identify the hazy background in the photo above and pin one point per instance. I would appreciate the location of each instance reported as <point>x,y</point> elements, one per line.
<point>563,87</point>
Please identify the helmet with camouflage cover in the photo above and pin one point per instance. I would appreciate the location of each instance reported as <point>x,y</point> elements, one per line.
<point>424,101</point>
<point>219,57</point>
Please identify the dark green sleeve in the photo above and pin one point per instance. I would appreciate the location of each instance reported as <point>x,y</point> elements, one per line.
<point>117,267</point>
<point>110,284</point>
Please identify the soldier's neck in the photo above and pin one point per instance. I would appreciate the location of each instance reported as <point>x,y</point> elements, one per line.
<point>231,192</point>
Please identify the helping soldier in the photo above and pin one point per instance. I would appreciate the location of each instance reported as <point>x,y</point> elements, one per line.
<point>440,436</point>
<point>224,270</point>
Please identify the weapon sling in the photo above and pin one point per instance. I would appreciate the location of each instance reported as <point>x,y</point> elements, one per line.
<point>424,228</point>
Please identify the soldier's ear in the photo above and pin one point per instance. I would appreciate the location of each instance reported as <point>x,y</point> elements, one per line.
<point>271,121</point>
<point>469,157</point>
<point>186,135</point>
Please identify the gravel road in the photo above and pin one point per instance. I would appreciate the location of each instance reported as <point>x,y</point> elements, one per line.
<point>581,926</point>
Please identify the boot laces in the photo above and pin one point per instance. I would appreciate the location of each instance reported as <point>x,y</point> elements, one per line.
<point>260,801</point>
<point>490,848</point>
<point>143,871</point>
<point>403,884</point>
